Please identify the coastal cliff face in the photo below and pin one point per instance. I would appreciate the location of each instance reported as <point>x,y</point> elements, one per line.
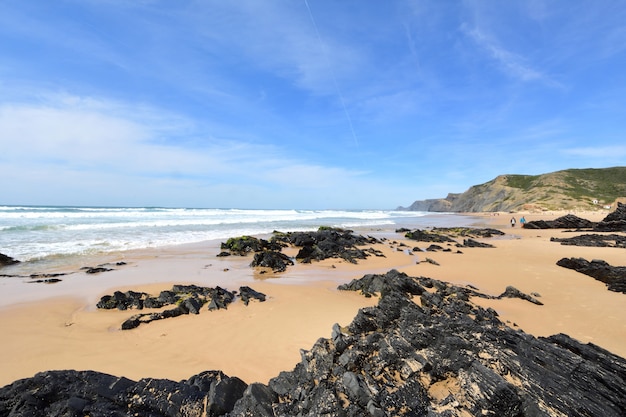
<point>580,189</point>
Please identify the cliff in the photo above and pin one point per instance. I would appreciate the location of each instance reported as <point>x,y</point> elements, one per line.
<point>571,189</point>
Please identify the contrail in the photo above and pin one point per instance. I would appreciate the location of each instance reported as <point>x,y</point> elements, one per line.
<point>332,73</point>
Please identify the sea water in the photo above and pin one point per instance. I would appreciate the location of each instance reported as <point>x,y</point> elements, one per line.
<point>30,233</point>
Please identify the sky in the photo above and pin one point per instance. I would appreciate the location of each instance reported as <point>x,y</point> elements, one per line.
<point>305,104</point>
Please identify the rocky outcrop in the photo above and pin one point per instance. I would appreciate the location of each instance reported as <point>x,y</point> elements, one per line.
<point>246,294</point>
<point>442,356</point>
<point>569,221</point>
<point>593,240</point>
<point>277,261</point>
<point>425,236</point>
<point>94,394</point>
<point>244,245</point>
<point>613,276</point>
<point>425,350</point>
<point>188,299</point>
<point>446,234</point>
<point>7,260</point>
<point>614,222</point>
<point>328,242</point>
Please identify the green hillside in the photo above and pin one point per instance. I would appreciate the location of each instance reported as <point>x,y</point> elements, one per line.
<point>571,189</point>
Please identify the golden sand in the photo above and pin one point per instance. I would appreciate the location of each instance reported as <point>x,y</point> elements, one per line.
<point>56,326</point>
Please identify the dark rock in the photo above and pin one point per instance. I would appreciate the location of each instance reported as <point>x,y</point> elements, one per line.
<point>392,360</point>
<point>431,261</point>
<point>326,243</point>
<point>192,305</point>
<point>474,232</point>
<point>614,221</point>
<point>145,318</point>
<point>512,292</point>
<point>424,236</point>
<point>434,248</point>
<point>257,401</point>
<point>613,276</point>
<point>244,245</point>
<point>393,280</point>
<point>220,299</point>
<point>96,270</point>
<point>247,294</point>
<point>47,281</point>
<point>79,393</point>
<point>617,215</point>
<point>223,395</point>
<point>122,301</point>
<point>471,243</point>
<point>569,221</point>
<point>594,240</point>
<point>277,261</point>
<point>7,260</point>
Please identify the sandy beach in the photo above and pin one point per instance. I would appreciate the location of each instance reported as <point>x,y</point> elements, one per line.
<point>56,326</point>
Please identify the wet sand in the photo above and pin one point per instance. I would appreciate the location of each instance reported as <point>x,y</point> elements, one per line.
<point>56,326</point>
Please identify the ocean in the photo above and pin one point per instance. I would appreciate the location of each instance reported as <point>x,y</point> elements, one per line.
<point>36,233</point>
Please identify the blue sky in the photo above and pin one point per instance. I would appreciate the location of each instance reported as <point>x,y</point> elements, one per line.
<point>296,104</point>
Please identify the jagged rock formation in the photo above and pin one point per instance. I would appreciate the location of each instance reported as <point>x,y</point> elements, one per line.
<point>569,221</point>
<point>7,260</point>
<point>583,189</point>
<point>593,240</point>
<point>326,242</point>
<point>188,299</point>
<point>277,261</point>
<point>244,245</point>
<point>424,350</point>
<point>613,276</point>
<point>614,222</point>
<point>329,242</point>
<point>94,394</point>
<point>443,235</point>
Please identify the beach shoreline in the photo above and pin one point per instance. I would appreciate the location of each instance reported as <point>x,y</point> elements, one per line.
<point>56,326</point>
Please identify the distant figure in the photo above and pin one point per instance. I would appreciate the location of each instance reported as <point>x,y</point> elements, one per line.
<point>522,221</point>
<point>512,221</point>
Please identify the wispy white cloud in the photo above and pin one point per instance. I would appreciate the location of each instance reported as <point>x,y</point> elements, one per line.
<point>512,64</point>
<point>82,144</point>
<point>598,152</point>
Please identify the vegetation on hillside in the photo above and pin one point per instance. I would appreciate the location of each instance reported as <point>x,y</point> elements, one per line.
<point>571,189</point>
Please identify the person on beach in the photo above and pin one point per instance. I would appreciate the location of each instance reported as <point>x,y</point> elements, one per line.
<point>522,222</point>
<point>512,221</point>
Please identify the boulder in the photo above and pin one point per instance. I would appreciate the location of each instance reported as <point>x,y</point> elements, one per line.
<point>223,395</point>
<point>277,261</point>
<point>246,293</point>
<point>244,245</point>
